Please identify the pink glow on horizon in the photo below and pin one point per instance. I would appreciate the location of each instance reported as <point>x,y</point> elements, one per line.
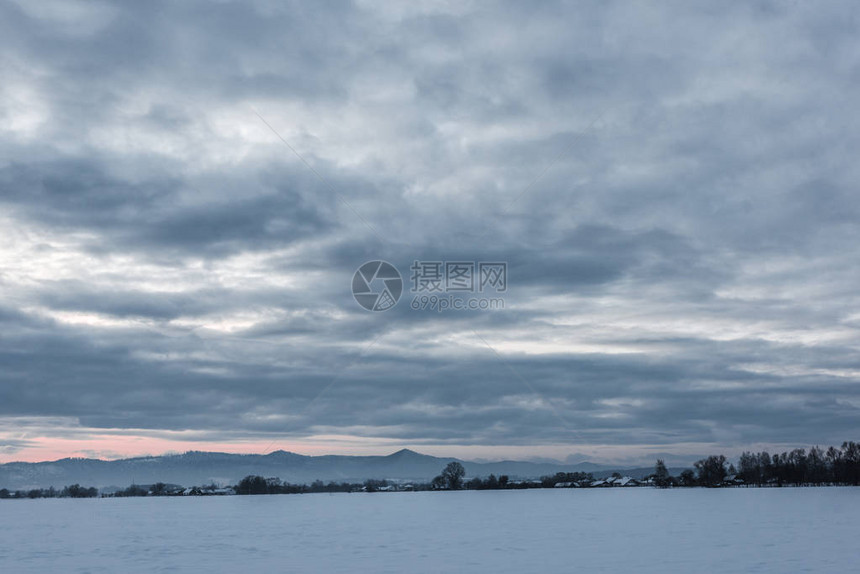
<point>112,447</point>
<point>109,446</point>
<point>113,444</point>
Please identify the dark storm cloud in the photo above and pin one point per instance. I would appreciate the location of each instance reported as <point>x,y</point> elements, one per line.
<point>671,188</point>
<point>266,209</point>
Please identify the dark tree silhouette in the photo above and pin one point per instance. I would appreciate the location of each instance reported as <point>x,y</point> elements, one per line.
<point>252,485</point>
<point>78,491</point>
<point>453,475</point>
<point>661,474</point>
<point>133,490</point>
<point>475,484</point>
<point>749,469</point>
<point>851,463</point>
<point>374,485</point>
<point>711,471</point>
<point>687,478</point>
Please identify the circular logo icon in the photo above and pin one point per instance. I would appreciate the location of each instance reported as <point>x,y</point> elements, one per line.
<point>377,285</point>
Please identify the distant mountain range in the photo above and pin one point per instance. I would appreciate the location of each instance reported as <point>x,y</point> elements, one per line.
<point>199,468</point>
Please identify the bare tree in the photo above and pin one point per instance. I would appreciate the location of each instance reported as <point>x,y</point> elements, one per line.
<point>453,475</point>
<point>711,471</point>
<point>661,474</point>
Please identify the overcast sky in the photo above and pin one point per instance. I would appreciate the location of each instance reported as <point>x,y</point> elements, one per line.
<point>673,187</point>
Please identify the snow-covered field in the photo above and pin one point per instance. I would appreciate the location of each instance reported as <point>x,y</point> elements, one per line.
<point>619,530</point>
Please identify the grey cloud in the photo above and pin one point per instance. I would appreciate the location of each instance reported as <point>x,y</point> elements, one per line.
<point>669,179</point>
<point>272,209</point>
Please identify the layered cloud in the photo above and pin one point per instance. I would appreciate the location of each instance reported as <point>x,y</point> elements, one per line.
<point>187,189</point>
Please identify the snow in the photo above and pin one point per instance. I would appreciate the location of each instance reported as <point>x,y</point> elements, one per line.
<point>596,530</point>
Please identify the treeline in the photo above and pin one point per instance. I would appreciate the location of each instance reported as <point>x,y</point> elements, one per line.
<point>71,491</point>
<point>453,478</point>
<point>799,467</point>
<point>157,489</point>
<point>254,484</point>
<point>259,485</point>
<point>165,489</point>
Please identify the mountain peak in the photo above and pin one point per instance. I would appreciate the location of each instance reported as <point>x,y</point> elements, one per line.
<point>405,452</point>
<point>284,454</point>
